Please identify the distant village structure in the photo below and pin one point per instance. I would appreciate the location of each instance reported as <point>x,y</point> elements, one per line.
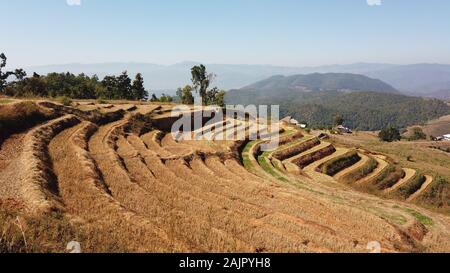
<point>343,130</point>
<point>443,138</point>
<point>289,120</point>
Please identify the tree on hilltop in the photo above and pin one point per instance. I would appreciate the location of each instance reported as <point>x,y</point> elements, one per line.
<point>185,95</point>
<point>137,89</point>
<point>389,134</point>
<point>201,81</point>
<point>18,73</point>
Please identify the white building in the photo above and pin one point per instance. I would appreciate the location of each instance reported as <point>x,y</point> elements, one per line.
<point>446,137</point>
<point>294,122</point>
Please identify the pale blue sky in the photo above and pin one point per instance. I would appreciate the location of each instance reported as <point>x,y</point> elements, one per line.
<point>280,32</point>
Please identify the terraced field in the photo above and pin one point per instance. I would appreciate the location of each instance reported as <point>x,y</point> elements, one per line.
<point>117,181</point>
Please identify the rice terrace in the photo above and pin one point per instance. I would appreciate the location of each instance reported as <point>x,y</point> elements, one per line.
<point>109,176</point>
<point>303,127</point>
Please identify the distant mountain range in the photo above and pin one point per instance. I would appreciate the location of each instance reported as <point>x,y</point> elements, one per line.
<point>428,80</point>
<point>365,103</point>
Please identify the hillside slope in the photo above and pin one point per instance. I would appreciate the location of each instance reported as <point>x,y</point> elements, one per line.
<point>124,184</point>
<point>362,110</point>
<point>323,82</point>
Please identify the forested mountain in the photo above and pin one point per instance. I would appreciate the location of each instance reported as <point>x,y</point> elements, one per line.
<point>361,109</point>
<point>323,82</point>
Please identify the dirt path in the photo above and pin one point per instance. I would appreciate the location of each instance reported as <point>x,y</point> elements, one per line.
<point>428,182</point>
<point>409,174</point>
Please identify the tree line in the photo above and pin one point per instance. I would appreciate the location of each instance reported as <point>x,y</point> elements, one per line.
<point>120,87</point>
<point>201,81</point>
<point>78,87</point>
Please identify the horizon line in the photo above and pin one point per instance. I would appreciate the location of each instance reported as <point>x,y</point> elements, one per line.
<point>231,64</point>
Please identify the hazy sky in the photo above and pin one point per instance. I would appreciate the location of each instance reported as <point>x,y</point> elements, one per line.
<point>280,32</point>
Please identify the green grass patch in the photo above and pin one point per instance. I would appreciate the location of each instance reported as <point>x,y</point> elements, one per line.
<point>278,165</point>
<point>248,164</point>
<point>425,220</point>
<point>5,101</point>
<point>395,219</point>
<point>264,162</point>
<point>248,147</point>
<point>66,101</point>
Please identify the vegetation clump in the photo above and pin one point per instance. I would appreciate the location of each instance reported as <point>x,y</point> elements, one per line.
<point>417,134</point>
<point>4,75</point>
<point>185,95</point>
<point>389,177</point>
<point>317,155</point>
<point>340,163</point>
<point>65,101</point>
<point>389,134</point>
<point>412,186</point>
<point>360,173</point>
<point>297,149</point>
<point>438,195</point>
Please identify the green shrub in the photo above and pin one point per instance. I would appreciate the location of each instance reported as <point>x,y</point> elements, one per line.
<point>312,157</point>
<point>417,134</point>
<point>66,101</point>
<point>412,186</point>
<point>5,101</point>
<point>389,177</point>
<point>389,134</point>
<point>438,195</point>
<point>296,149</point>
<point>362,172</point>
<point>340,163</point>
